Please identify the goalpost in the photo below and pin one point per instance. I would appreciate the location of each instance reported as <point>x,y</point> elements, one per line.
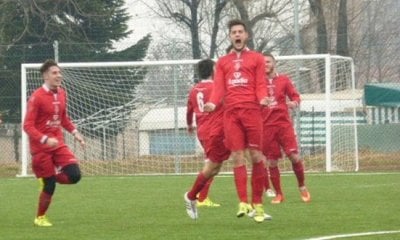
<point>133,114</point>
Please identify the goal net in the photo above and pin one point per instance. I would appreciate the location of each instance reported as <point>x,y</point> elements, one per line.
<point>133,114</point>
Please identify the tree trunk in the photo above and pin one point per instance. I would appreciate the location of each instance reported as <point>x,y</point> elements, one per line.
<point>342,37</point>
<point>342,47</point>
<point>194,29</point>
<point>219,5</point>
<point>244,15</point>
<point>322,38</point>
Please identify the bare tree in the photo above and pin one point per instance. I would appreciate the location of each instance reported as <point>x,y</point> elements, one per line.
<point>219,6</point>
<point>259,16</point>
<point>252,21</point>
<point>322,35</point>
<point>342,46</point>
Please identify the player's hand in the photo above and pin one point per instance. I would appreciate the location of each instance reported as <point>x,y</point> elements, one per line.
<point>266,101</point>
<point>292,104</point>
<point>190,129</point>
<point>78,137</point>
<point>52,142</point>
<point>209,107</point>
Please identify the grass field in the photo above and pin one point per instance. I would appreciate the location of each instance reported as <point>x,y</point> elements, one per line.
<point>151,207</point>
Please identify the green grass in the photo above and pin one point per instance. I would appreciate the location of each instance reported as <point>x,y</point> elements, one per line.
<point>151,207</point>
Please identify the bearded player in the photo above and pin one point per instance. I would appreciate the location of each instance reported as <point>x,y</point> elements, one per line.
<point>240,83</point>
<point>278,129</point>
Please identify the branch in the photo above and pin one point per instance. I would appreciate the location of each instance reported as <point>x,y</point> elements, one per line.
<point>181,18</point>
<point>261,16</point>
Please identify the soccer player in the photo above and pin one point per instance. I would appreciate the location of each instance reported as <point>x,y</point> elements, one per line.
<point>278,129</point>
<point>211,133</point>
<point>52,160</point>
<point>240,83</point>
<point>197,95</point>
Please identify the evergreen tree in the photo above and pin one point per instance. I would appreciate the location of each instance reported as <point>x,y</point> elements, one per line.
<point>85,30</point>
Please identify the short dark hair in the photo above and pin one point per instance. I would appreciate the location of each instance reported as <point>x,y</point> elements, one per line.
<point>205,68</point>
<point>235,22</point>
<point>47,64</point>
<point>268,54</point>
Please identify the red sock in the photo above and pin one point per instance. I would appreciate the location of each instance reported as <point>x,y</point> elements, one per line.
<point>204,192</point>
<point>200,182</point>
<point>62,178</point>
<point>240,174</point>
<point>276,179</point>
<point>257,182</point>
<point>44,203</point>
<point>298,169</point>
<point>266,182</point>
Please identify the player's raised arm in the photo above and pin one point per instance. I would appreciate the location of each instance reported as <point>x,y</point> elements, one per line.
<point>218,90</point>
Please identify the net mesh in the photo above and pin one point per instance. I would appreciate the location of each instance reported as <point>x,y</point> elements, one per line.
<point>133,115</point>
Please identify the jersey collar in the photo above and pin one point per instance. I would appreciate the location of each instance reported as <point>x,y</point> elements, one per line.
<point>47,89</point>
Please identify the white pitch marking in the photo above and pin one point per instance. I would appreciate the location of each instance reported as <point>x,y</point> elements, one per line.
<point>353,235</point>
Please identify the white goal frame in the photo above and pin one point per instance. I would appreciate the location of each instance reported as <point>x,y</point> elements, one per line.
<point>328,98</point>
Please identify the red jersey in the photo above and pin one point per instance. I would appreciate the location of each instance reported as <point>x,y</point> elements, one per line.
<point>45,117</point>
<point>198,96</point>
<point>240,80</point>
<point>280,88</point>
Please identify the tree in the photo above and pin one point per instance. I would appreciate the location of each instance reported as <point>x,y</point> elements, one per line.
<point>219,6</point>
<point>342,46</point>
<point>86,31</point>
<point>251,22</point>
<point>192,16</point>
<point>210,15</point>
<point>322,35</point>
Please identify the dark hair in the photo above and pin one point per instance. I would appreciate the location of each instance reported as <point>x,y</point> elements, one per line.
<point>235,22</point>
<point>205,68</point>
<point>268,54</point>
<point>47,64</point>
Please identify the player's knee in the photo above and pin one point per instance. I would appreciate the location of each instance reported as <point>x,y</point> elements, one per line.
<point>73,172</point>
<point>49,185</point>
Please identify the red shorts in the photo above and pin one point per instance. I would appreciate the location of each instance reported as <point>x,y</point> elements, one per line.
<point>277,137</point>
<point>243,129</point>
<point>214,146</point>
<point>46,163</point>
<point>216,150</point>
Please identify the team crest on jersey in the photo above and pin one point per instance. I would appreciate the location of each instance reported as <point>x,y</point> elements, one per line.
<point>237,74</point>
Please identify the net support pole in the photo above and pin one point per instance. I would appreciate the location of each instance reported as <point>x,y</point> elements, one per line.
<point>328,151</point>
<point>24,136</point>
<point>353,88</point>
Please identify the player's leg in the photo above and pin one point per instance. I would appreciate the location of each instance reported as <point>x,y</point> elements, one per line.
<point>290,146</point>
<point>268,136</point>
<point>252,122</point>
<point>44,170</point>
<point>272,151</point>
<point>275,177</point>
<point>217,152</point>
<point>202,197</point>
<point>298,169</point>
<point>210,169</point>
<point>70,172</point>
<point>269,192</point>
<point>235,141</point>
